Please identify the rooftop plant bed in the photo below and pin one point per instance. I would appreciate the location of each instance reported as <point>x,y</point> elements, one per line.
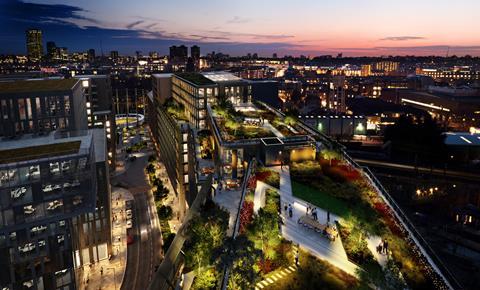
<point>41,151</point>
<point>175,110</point>
<point>314,273</point>
<point>336,187</point>
<point>269,176</point>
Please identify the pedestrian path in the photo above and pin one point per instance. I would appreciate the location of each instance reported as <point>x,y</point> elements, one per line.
<point>109,273</point>
<point>275,277</point>
<point>372,243</point>
<point>229,200</point>
<point>313,242</point>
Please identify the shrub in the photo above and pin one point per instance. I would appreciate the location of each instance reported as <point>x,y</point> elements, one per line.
<point>246,215</point>
<point>165,212</point>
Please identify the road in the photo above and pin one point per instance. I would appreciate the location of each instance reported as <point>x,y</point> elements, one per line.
<point>404,167</point>
<point>144,254</point>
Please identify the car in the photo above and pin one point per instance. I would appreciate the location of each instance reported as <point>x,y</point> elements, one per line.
<point>129,214</point>
<point>129,224</point>
<point>130,239</point>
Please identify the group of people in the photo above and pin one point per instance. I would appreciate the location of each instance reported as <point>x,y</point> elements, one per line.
<point>382,248</point>
<point>289,209</point>
<point>313,212</point>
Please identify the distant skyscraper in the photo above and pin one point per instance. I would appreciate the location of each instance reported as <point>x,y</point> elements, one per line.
<point>114,54</point>
<point>179,53</point>
<point>34,44</point>
<point>51,50</point>
<point>195,52</point>
<point>91,55</point>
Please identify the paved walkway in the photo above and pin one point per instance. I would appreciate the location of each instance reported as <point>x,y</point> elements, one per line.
<point>372,243</point>
<point>229,200</point>
<point>109,274</point>
<point>259,196</point>
<point>310,240</point>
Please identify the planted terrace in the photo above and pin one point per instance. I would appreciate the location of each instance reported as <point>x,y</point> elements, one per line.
<point>252,121</point>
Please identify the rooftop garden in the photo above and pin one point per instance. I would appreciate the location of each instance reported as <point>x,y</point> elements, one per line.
<point>333,185</point>
<point>195,78</point>
<point>41,151</point>
<point>175,109</point>
<point>255,122</point>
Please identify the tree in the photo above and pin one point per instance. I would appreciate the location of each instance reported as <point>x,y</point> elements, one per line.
<point>205,279</point>
<point>232,124</point>
<point>265,230</point>
<point>150,168</point>
<point>239,254</point>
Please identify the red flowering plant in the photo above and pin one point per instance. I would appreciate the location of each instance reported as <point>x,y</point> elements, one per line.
<point>246,215</point>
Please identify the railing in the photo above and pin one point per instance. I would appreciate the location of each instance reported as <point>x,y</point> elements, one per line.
<point>436,263</point>
<point>226,271</point>
<point>448,279</point>
<point>433,259</point>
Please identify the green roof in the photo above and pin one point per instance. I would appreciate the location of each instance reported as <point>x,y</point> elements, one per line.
<point>195,78</point>
<point>35,152</point>
<point>27,86</point>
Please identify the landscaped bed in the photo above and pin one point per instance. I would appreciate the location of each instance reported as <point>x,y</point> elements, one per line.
<point>314,273</point>
<point>269,176</point>
<point>335,186</point>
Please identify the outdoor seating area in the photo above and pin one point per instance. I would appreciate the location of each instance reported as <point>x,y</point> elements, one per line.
<point>326,230</point>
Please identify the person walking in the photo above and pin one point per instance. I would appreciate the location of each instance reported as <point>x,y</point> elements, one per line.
<point>290,210</point>
<point>296,258</point>
<point>385,246</point>
<point>286,207</point>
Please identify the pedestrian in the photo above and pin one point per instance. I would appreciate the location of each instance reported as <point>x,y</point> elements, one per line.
<point>296,259</point>
<point>308,207</point>
<point>385,246</point>
<point>285,206</point>
<point>101,271</point>
<point>290,210</point>
<point>328,216</point>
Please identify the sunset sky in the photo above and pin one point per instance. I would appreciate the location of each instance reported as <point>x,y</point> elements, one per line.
<point>353,27</point>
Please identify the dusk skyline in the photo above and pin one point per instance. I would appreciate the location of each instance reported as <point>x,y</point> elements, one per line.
<point>369,28</point>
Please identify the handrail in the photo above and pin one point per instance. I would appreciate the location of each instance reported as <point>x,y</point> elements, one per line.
<point>226,271</point>
<point>436,264</point>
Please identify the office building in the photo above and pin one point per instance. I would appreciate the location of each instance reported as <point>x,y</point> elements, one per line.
<point>456,73</point>
<point>266,91</point>
<point>54,187</point>
<point>195,53</point>
<point>178,53</point>
<point>193,91</point>
<point>100,109</point>
<point>51,50</point>
<point>174,139</point>
<point>366,70</point>
<point>387,66</point>
<point>34,44</point>
<point>41,106</point>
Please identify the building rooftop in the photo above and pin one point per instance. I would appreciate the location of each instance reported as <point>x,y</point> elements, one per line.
<point>462,139</point>
<point>195,78</point>
<point>221,76</point>
<point>40,85</point>
<point>30,147</point>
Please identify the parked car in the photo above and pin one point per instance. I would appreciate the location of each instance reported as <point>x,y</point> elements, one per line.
<point>129,224</point>
<point>130,239</point>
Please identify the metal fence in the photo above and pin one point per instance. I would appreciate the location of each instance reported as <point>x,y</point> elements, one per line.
<point>226,272</point>
<point>436,263</point>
